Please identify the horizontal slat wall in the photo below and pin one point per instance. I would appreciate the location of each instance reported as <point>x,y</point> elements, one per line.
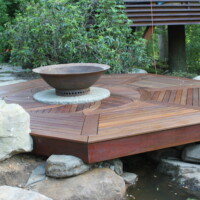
<point>163,12</point>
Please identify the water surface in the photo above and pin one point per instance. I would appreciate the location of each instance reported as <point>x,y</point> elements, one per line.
<point>154,186</point>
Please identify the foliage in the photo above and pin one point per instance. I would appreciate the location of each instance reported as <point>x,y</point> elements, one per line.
<point>193,48</point>
<point>3,19</point>
<point>191,199</point>
<point>3,14</point>
<point>159,67</point>
<point>67,31</point>
<point>183,74</point>
<point>192,51</point>
<point>9,9</point>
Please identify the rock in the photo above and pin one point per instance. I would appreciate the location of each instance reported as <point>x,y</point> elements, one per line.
<point>38,174</point>
<point>116,165</point>
<point>14,130</point>
<point>11,82</point>
<point>186,175</point>
<point>98,184</point>
<point>192,153</point>
<point>13,193</point>
<point>7,78</point>
<point>60,166</point>
<point>7,68</point>
<point>177,168</point>
<point>138,71</point>
<point>5,74</point>
<point>2,103</point>
<point>15,171</point>
<point>130,178</point>
<point>196,78</point>
<point>164,153</point>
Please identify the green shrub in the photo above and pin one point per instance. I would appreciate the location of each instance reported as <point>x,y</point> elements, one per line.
<point>193,48</point>
<point>3,19</point>
<point>66,31</point>
<point>3,14</point>
<point>8,10</point>
<point>183,74</point>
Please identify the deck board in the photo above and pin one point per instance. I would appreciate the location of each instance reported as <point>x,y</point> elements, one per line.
<point>145,112</point>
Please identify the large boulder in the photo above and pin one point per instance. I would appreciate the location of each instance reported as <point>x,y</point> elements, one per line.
<point>61,166</point>
<point>98,184</point>
<point>16,171</point>
<point>186,175</point>
<point>138,71</point>
<point>2,103</point>
<point>196,78</point>
<point>191,153</point>
<point>14,130</point>
<point>14,193</point>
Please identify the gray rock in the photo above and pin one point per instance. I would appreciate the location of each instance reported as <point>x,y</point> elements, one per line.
<point>138,71</point>
<point>98,184</point>
<point>7,78</point>
<point>116,165</point>
<point>5,74</point>
<point>13,193</point>
<point>192,153</point>
<point>2,103</point>
<point>38,174</point>
<point>15,171</point>
<point>8,74</point>
<point>196,78</point>
<point>130,178</point>
<point>165,153</point>
<point>11,82</point>
<point>186,175</point>
<point>4,67</point>
<point>14,130</point>
<point>60,166</point>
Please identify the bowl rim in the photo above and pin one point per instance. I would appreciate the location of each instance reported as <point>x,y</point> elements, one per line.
<point>103,68</point>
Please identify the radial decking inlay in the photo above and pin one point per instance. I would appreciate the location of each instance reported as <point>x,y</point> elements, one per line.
<point>144,113</point>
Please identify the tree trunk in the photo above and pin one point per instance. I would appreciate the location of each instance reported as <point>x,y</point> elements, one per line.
<point>162,44</point>
<point>176,48</point>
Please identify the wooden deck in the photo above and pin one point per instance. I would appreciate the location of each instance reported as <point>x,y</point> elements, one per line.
<point>144,113</point>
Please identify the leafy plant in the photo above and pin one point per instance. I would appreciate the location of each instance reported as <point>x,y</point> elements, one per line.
<point>191,199</point>
<point>193,48</point>
<point>67,31</point>
<point>183,74</point>
<point>3,19</point>
<point>8,9</point>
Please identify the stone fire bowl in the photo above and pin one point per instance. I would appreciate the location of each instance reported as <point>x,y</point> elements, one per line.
<point>71,79</point>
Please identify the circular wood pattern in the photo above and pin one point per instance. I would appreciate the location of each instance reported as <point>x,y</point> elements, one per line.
<point>144,112</point>
<point>120,96</point>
